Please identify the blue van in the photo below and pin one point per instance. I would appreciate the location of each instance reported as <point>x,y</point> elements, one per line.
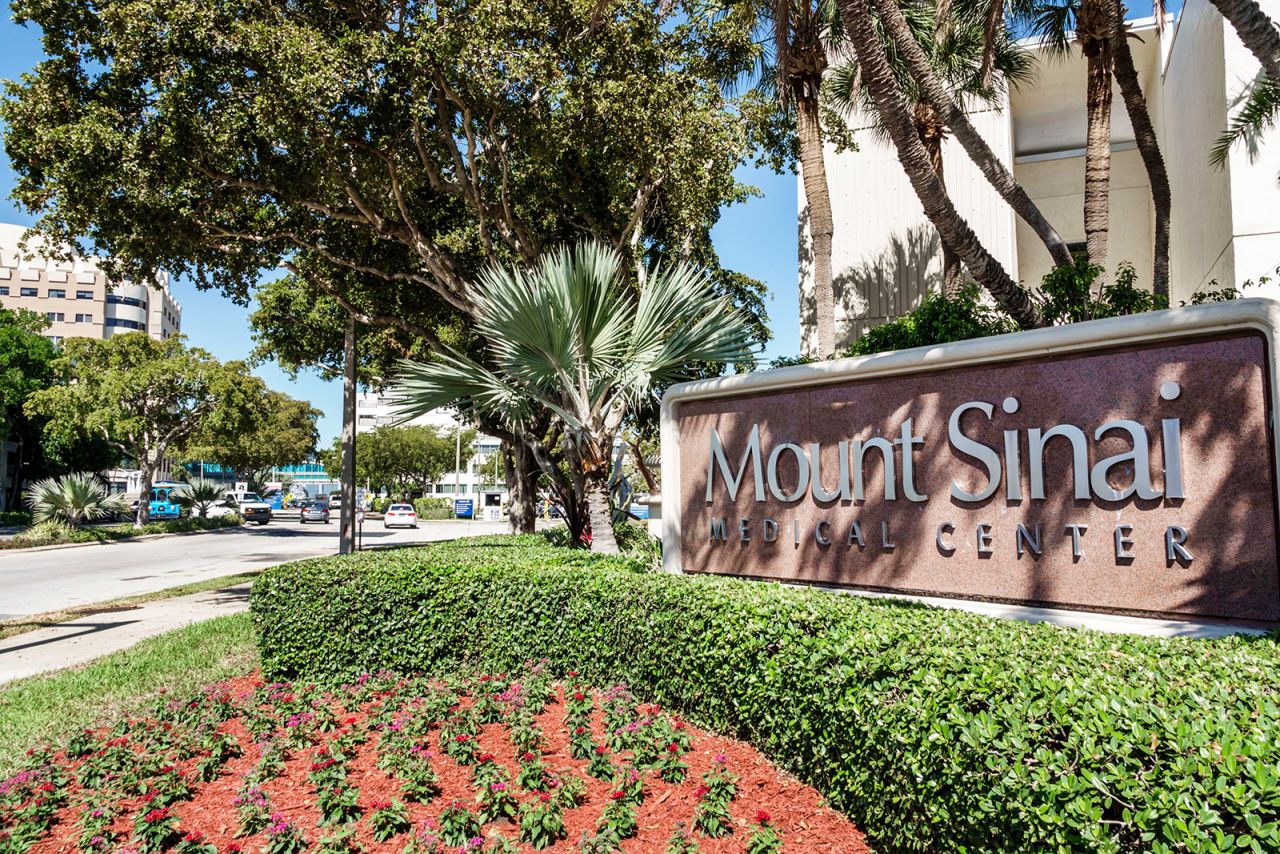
<point>164,501</point>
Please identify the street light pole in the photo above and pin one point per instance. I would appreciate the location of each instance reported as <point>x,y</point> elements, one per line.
<point>347,509</point>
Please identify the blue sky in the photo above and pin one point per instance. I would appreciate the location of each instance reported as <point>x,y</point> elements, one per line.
<point>757,238</point>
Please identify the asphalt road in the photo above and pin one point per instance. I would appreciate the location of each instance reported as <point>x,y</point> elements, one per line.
<point>40,581</point>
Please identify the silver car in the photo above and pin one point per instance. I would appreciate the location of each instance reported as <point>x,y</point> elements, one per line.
<point>315,511</point>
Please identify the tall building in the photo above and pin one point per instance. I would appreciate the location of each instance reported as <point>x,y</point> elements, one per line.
<point>77,297</point>
<point>1223,227</point>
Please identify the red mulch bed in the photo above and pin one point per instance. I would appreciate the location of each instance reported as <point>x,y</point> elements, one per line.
<point>795,810</point>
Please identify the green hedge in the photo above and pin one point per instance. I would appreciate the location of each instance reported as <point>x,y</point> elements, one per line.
<point>934,730</point>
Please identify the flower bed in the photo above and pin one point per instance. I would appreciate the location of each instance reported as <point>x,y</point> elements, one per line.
<point>487,764</point>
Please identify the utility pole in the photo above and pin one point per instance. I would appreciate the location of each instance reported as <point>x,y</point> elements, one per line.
<point>347,509</point>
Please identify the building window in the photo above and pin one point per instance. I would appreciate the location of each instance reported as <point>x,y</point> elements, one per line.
<point>84,318</point>
<point>116,299</point>
<point>57,293</point>
<point>84,294</point>
<point>28,292</point>
<point>121,322</point>
<point>4,292</point>
<point>56,339</point>
<point>55,315</point>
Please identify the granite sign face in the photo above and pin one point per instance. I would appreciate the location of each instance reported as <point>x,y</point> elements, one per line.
<point>1128,471</point>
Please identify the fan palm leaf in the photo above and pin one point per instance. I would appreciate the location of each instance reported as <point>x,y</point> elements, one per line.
<point>74,499</point>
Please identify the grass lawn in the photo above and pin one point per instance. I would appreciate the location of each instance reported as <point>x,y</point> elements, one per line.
<point>49,708</point>
<point>9,628</point>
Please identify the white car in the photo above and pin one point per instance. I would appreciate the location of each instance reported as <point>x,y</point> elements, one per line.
<point>400,515</point>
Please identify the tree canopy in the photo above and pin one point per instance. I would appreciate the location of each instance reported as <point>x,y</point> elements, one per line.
<point>273,430</point>
<point>402,459</point>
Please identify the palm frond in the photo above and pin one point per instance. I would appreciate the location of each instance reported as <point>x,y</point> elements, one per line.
<point>1255,117</point>
<point>74,499</point>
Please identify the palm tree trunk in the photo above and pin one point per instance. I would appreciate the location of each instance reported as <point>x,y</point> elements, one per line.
<point>996,173</point>
<point>602,538</point>
<point>521,470</point>
<point>148,462</point>
<point>1256,30</point>
<point>952,228</point>
<point>347,509</point>
<point>1093,30</point>
<point>1135,103</point>
<point>931,137</point>
<point>817,197</point>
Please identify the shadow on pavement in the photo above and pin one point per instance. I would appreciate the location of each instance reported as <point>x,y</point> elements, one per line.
<point>81,630</point>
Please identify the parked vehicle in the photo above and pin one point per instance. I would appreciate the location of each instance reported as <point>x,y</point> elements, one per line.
<point>250,507</point>
<point>164,501</point>
<point>400,515</point>
<point>315,511</point>
<point>335,501</point>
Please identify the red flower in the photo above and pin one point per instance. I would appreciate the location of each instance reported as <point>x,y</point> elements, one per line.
<point>156,816</point>
<point>579,731</point>
<point>46,787</point>
<point>673,748</point>
<point>600,749</point>
<point>194,836</point>
<point>527,757</point>
<point>762,817</point>
<point>349,721</point>
<point>485,757</point>
<point>462,738</point>
<point>617,795</point>
<point>578,695</point>
<point>234,848</point>
<point>573,673</point>
<point>703,789</point>
<point>544,797</point>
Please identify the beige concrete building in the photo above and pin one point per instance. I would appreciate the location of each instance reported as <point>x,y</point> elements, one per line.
<point>1224,224</point>
<point>78,299</point>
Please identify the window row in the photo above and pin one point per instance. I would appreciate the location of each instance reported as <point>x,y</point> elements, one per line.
<point>60,316</point>
<point>127,324</point>
<point>54,293</point>
<point>116,299</point>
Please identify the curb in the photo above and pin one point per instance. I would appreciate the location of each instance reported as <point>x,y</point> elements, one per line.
<point>139,539</point>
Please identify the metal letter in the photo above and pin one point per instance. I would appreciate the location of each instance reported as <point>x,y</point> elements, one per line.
<point>817,533</point>
<point>1171,445</point>
<point>1023,537</point>
<point>1036,442</point>
<point>720,529</point>
<point>802,475</point>
<point>855,535</point>
<point>1140,457</point>
<point>908,443</point>
<point>1012,466</point>
<point>744,530</point>
<point>984,539</point>
<point>842,488</point>
<point>859,451</point>
<point>1075,531</point>
<point>884,536</point>
<point>943,546</point>
<point>1123,542</point>
<point>752,453</point>
<point>977,450</point>
<point>770,530</point>
<point>1174,537</point>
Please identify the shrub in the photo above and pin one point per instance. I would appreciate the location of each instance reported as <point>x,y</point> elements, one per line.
<point>433,508</point>
<point>73,499</point>
<point>55,532</point>
<point>938,319</point>
<point>933,729</point>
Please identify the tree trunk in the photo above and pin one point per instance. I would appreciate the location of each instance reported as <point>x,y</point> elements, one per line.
<point>1144,132</point>
<point>602,538</point>
<point>147,464</point>
<point>817,197</point>
<point>15,496</point>
<point>521,471</point>
<point>952,228</point>
<point>1256,30</point>
<point>1095,42</point>
<point>347,509</point>
<point>932,135</point>
<point>996,173</point>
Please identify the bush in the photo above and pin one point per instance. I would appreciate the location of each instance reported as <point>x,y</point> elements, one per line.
<point>15,517</point>
<point>938,319</point>
<point>933,729</point>
<point>55,532</point>
<point>433,508</point>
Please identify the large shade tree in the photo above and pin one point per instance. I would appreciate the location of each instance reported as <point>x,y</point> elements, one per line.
<point>572,335</point>
<point>269,429</point>
<point>146,397</point>
<point>400,144</point>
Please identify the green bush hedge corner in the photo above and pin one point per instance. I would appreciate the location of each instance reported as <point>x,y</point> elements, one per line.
<point>934,730</point>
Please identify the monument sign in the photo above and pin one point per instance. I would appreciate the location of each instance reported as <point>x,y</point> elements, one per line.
<point>1125,465</point>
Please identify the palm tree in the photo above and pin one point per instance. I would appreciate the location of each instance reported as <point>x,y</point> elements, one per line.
<point>1144,132</point>
<point>953,41</point>
<point>201,496</point>
<point>73,499</point>
<point>1087,23</point>
<point>951,226</point>
<point>1256,30</point>
<point>572,334</point>
<point>934,91</point>
<point>797,38</point>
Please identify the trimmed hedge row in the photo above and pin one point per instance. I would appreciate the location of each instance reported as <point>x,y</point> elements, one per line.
<point>934,730</point>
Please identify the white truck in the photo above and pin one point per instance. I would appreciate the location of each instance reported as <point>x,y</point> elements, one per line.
<point>250,507</point>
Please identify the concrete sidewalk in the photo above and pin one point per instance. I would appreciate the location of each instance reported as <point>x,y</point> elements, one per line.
<point>95,635</point>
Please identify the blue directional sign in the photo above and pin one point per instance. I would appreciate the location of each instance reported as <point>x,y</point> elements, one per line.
<point>463,507</point>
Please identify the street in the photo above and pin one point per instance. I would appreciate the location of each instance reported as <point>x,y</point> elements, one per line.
<point>39,581</point>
